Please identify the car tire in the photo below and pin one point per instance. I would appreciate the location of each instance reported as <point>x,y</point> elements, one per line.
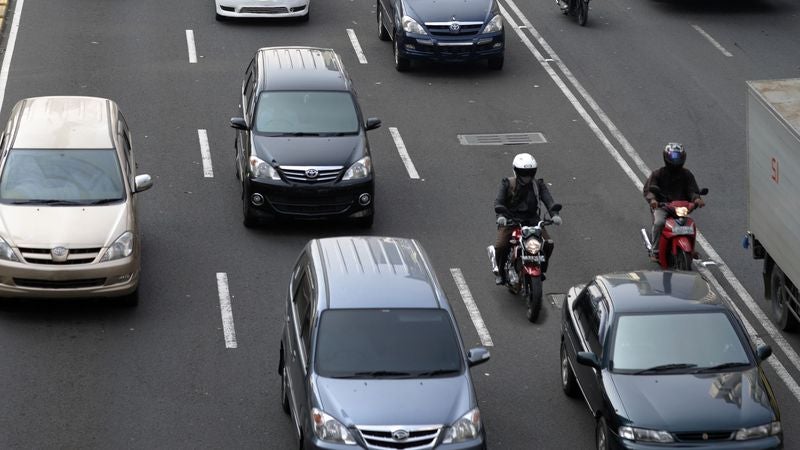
<point>779,312</point>
<point>568,382</point>
<point>284,388</point>
<point>365,222</point>
<point>248,219</point>
<point>401,64</point>
<point>305,17</point>
<point>130,300</point>
<point>220,18</point>
<point>496,63</point>
<point>601,435</point>
<point>382,33</point>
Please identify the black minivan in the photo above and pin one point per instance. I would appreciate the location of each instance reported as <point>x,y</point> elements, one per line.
<point>301,143</point>
<point>371,356</point>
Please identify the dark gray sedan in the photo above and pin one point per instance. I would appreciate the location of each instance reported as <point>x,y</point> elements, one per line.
<point>661,362</point>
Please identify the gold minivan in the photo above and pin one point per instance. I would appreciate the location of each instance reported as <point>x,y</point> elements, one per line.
<point>68,189</point>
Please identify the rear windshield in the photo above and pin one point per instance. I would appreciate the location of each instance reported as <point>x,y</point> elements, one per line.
<point>54,176</point>
<point>356,343</point>
<point>314,112</point>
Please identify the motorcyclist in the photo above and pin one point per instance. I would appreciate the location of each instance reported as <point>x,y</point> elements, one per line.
<point>520,195</point>
<point>675,183</point>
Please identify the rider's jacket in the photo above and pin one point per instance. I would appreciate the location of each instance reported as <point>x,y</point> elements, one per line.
<point>675,184</point>
<point>522,200</point>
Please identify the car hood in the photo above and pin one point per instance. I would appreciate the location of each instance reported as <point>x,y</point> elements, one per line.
<point>429,401</point>
<point>446,10</point>
<point>696,402</point>
<point>68,226</point>
<point>311,150</point>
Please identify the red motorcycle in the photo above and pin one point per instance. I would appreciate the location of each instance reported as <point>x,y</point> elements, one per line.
<point>527,261</point>
<point>676,244</point>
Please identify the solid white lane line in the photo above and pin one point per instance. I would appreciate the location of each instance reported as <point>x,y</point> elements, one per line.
<point>712,40</point>
<point>401,149</point>
<point>12,40</point>
<point>472,308</point>
<point>629,150</point>
<point>190,45</point>
<point>205,151</point>
<point>778,338</point>
<point>356,46</point>
<point>776,365</point>
<point>226,310</point>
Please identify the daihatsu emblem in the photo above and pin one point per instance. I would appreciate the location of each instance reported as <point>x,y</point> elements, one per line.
<point>312,173</point>
<point>400,435</point>
<point>705,436</point>
<point>59,254</point>
<point>455,27</point>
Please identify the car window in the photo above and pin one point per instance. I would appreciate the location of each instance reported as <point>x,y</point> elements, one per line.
<point>315,112</point>
<point>700,339</point>
<point>591,314</point>
<point>302,304</point>
<point>61,176</point>
<point>387,342</point>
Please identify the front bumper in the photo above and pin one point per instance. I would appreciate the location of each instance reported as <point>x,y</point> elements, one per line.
<point>262,9</point>
<point>439,48</point>
<point>316,444</point>
<point>106,279</point>
<point>342,200</point>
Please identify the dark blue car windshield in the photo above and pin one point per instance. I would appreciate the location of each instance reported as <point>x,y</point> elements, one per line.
<point>376,342</point>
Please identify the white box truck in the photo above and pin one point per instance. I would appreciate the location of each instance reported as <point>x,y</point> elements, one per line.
<point>773,146</point>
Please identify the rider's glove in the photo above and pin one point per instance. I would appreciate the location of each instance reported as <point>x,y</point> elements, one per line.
<point>556,220</point>
<point>653,204</point>
<point>502,221</point>
<point>699,202</point>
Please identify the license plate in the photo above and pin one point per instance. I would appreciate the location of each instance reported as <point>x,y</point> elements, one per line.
<point>682,230</point>
<point>534,258</point>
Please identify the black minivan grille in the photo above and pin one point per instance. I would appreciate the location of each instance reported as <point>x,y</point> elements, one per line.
<point>310,174</point>
<point>464,29</point>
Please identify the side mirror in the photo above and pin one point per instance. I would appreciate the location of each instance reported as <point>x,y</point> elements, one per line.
<point>763,352</point>
<point>588,359</point>
<point>477,355</point>
<point>556,208</point>
<point>238,123</point>
<point>372,123</point>
<point>142,183</point>
<point>655,190</point>
<point>704,191</point>
<point>501,210</point>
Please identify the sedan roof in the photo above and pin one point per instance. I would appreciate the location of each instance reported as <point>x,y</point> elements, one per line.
<point>665,291</point>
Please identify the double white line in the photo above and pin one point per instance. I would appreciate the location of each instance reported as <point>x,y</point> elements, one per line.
<point>553,59</point>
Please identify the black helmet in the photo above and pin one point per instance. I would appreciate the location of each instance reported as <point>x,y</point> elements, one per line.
<point>674,155</point>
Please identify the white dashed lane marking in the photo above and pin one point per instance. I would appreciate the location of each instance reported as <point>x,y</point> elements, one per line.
<point>205,152</point>
<point>190,45</point>
<point>226,310</point>
<point>356,46</point>
<point>401,149</point>
<point>712,40</point>
<point>472,307</point>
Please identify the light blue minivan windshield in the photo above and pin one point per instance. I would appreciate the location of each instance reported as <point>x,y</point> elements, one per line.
<point>73,176</point>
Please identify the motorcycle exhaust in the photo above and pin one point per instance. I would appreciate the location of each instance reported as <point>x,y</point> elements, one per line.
<point>646,240</point>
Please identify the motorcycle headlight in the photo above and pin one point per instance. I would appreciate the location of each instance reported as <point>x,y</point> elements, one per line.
<point>260,169</point>
<point>121,248</point>
<point>411,26</point>
<point>329,429</point>
<point>360,169</point>
<point>533,246</point>
<point>645,435</point>
<point>681,211</point>
<point>770,429</point>
<point>466,428</point>
<point>6,252</point>
<point>494,25</point>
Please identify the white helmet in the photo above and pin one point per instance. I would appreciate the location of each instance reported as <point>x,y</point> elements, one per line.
<point>524,165</point>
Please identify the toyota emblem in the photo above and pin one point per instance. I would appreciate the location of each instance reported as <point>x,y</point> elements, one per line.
<point>312,173</point>
<point>400,435</point>
<point>705,436</point>
<point>455,27</point>
<point>59,254</point>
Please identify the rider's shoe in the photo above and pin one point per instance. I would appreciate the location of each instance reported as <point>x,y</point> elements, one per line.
<point>654,257</point>
<point>498,279</point>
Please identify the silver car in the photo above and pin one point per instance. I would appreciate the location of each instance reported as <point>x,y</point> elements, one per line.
<point>68,181</point>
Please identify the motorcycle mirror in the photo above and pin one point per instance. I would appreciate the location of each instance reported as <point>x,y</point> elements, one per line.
<point>655,190</point>
<point>704,191</point>
<point>556,208</point>
<point>501,210</point>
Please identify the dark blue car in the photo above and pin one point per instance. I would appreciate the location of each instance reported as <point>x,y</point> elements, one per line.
<point>663,362</point>
<point>443,30</point>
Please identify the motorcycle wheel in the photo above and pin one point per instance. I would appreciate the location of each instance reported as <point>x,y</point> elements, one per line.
<point>583,12</point>
<point>683,261</point>
<point>534,298</point>
<point>781,315</point>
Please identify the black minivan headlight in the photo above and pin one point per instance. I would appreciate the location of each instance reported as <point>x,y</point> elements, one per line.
<point>494,25</point>
<point>360,169</point>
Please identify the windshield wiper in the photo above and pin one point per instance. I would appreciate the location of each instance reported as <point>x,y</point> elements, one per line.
<point>727,365</point>
<point>101,201</point>
<point>45,202</point>
<point>665,367</point>
<point>383,373</point>
<point>434,373</point>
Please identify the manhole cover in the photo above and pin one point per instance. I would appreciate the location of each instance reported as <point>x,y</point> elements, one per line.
<point>501,139</point>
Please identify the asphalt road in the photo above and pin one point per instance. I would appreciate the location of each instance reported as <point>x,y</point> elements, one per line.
<point>95,375</point>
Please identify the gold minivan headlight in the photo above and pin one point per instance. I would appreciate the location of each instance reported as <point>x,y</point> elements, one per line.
<point>121,248</point>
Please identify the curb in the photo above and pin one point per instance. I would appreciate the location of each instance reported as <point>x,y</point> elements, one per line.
<point>3,11</point>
